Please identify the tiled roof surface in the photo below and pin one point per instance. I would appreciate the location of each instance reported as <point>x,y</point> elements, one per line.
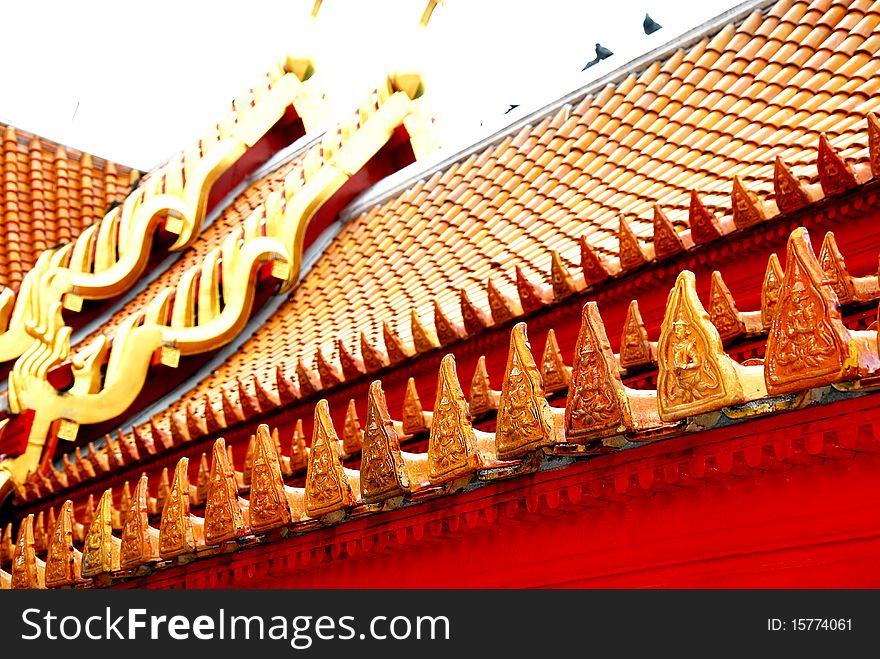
<point>728,106</point>
<point>50,194</point>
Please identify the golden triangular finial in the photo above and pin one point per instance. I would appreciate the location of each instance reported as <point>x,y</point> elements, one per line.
<point>635,347</point>
<point>352,433</point>
<point>414,417</point>
<point>722,310</point>
<point>791,194</point>
<point>373,358</point>
<point>667,242</point>
<point>352,366</point>
<point>630,250</point>
<point>394,346</point>
<point>101,550</point>
<point>475,319</point>
<point>63,563</point>
<point>142,439</point>
<point>176,535</point>
<point>383,471</point>
<point>327,488</point>
<point>203,477</point>
<point>525,419</point>
<point>502,307</point>
<point>770,290</point>
<point>424,339</point>
<point>140,542</point>
<point>694,373</point>
<point>596,404</point>
<point>835,174</point>
<point>561,280</point>
<point>27,570</point>
<point>531,296</point>
<point>448,331</point>
<point>214,420</point>
<point>287,391</point>
<point>554,371</point>
<point>40,536</point>
<point>308,386</point>
<point>195,422</point>
<point>299,452</point>
<point>704,225</point>
<point>269,507</point>
<point>748,209</point>
<point>451,446</point>
<point>835,269</point>
<point>594,267</point>
<point>808,345</point>
<point>250,406</point>
<point>224,518</point>
<point>483,398</point>
<point>328,373</point>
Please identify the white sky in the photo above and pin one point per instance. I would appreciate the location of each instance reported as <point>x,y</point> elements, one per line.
<point>150,77</point>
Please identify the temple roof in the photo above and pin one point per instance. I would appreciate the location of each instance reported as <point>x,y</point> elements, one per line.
<point>737,138</point>
<point>681,129</point>
<point>50,194</point>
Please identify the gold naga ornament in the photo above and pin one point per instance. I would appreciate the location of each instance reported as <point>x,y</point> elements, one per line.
<point>109,256</point>
<point>206,310</point>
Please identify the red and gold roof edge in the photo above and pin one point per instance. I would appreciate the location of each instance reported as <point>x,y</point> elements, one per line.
<point>700,389</point>
<point>250,398</point>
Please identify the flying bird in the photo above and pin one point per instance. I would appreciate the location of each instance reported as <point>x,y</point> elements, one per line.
<point>513,106</point>
<point>601,53</point>
<point>650,25</point>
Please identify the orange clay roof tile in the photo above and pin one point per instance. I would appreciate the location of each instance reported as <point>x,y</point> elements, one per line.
<point>49,193</point>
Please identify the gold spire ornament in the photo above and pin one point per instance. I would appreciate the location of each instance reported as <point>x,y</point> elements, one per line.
<point>554,371</point>
<point>269,506</point>
<point>327,487</point>
<point>225,517</point>
<point>808,344</point>
<point>694,373</point>
<point>452,451</point>
<point>483,398</point>
<point>63,562</point>
<point>28,571</point>
<point>177,530</point>
<point>383,469</point>
<point>101,551</point>
<point>526,421</point>
<point>352,433</point>
<point>140,542</point>
<point>415,419</point>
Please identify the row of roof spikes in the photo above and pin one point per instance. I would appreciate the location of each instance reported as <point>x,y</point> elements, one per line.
<point>637,351</point>
<point>835,175</point>
<point>807,347</point>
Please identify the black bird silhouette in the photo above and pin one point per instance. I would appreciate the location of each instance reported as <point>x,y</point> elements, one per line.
<point>650,25</point>
<point>513,106</point>
<point>601,53</point>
